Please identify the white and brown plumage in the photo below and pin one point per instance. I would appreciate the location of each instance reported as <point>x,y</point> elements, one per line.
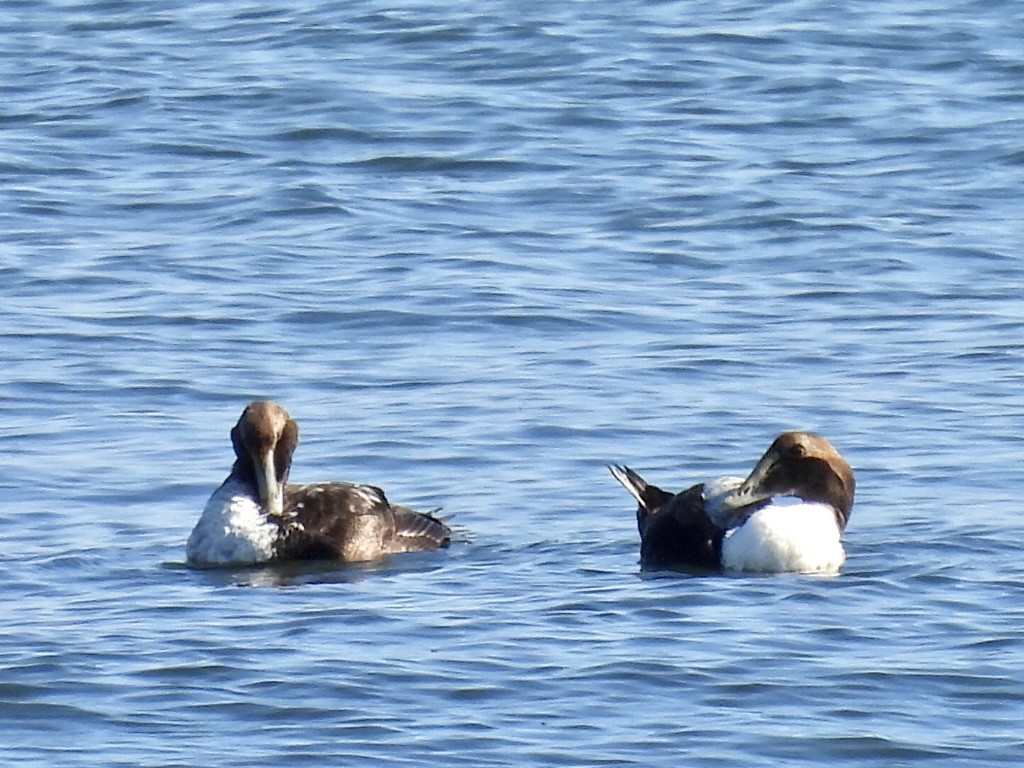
<point>789,514</point>
<point>255,516</point>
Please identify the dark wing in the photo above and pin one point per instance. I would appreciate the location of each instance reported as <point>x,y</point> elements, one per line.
<point>416,531</point>
<point>681,535</point>
<point>352,523</point>
<point>320,518</point>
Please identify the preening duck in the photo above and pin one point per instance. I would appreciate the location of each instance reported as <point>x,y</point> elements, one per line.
<point>789,514</point>
<point>255,516</point>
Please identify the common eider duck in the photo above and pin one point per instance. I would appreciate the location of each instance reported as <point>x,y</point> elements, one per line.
<point>255,516</point>
<point>789,514</point>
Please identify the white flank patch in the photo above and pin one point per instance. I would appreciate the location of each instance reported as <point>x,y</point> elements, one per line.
<point>233,530</point>
<point>799,537</point>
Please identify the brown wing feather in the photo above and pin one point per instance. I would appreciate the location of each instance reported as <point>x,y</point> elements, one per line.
<point>352,523</point>
<point>419,530</point>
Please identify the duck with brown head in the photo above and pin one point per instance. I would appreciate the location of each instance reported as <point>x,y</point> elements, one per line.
<point>789,514</point>
<point>803,466</point>
<point>255,516</point>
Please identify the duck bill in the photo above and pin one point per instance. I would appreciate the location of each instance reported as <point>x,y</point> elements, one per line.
<point>753,490</point>
<point>271,491</point>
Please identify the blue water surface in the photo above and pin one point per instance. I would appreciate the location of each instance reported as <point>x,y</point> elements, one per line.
<point>479,251</point>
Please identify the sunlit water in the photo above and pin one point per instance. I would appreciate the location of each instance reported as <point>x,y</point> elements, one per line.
<point>480,250</point>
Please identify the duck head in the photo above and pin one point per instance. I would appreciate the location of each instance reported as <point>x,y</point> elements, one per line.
<point>264,439</point>
<point>803,465</point>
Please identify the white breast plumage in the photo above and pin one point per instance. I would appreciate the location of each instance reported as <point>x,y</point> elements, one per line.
<point>233,529</point>
<point>782,537</point>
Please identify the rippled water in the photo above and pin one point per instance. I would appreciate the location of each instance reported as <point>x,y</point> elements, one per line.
<point>480,251</point>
